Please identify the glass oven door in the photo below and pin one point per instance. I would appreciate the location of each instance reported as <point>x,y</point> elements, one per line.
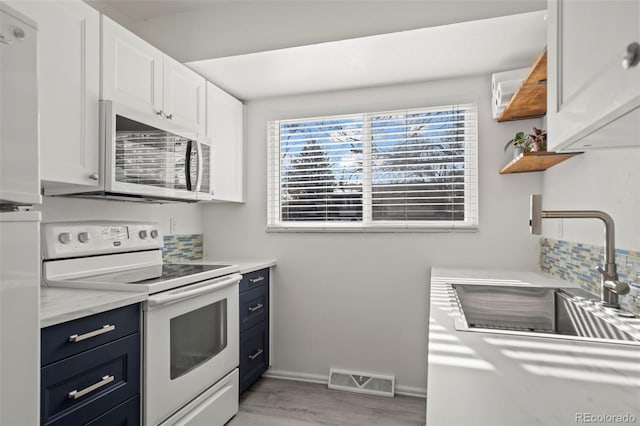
<point>191,342</point>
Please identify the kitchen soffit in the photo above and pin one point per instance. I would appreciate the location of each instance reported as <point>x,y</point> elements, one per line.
<point>447,51</point>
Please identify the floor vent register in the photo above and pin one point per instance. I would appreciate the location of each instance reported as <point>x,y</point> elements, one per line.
<point>356,381</point>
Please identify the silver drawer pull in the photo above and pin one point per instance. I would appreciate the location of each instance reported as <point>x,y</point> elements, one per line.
<point>256,355</point>
<point>257,307</point>
<point>75,394</point>
<point>80,337</point>
<point>256,280</point>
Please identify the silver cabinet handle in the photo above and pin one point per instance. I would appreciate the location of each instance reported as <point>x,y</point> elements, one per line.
<point>75,394</point>
<point>256,308</point>
<point>18,33</point>
<point>632,57</point>
<point>256,354</point>
<point>160,113</point>
<point>169,116</point>
<point>93,176</point>
<point>80,337</point>
<point>256,280</point>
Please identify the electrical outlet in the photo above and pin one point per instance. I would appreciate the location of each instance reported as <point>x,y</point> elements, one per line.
<point>560,228</point>
<point>173,224</point>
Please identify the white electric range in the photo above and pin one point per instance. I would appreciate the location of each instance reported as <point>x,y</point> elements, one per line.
<point>190,320</point>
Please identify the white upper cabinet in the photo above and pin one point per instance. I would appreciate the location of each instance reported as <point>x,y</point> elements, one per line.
<point>131,69</point>
<point>68,90</point>
<point>588,85</point>
<point>142,77</point>
<point>225,127</point>
<point>184,96</point>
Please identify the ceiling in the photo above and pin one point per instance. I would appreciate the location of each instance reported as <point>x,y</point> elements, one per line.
<point>193,30</point>
<point>447,51</point>
<point>142,10</point>
<point>266,48</point>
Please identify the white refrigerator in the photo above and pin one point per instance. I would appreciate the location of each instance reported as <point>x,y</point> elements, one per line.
<point>19,224</point>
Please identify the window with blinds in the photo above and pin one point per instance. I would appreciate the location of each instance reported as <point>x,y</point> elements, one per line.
<point>399,169</point>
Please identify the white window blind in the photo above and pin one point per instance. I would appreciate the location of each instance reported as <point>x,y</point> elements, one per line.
<point>399,169</point>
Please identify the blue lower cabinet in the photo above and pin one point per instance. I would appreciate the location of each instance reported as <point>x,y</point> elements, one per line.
<point>254,354</point>
<point>90,371</point>
<point>254,327</point>
<point>84,386</point>
<point>125,414</point>
<point>73,337</point>
<point>255,279</point>
<point>254,307</point>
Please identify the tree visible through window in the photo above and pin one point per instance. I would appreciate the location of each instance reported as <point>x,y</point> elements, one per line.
<point>412,168</point>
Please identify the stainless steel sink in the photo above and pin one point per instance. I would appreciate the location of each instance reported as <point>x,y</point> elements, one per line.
<point>551,311</point>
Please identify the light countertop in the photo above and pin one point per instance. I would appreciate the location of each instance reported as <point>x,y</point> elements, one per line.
<point>245,265</point>
<point>496,379</point>
<point>58,305</point>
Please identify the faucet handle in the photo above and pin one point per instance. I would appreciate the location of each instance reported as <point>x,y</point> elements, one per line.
<point>607,275</point>
<point>618,287</point>
<point>611,282</point>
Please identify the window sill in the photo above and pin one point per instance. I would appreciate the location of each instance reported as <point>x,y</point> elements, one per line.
<point>374,229</point>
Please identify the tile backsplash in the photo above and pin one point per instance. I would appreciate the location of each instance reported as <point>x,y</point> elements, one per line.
<point>577,262</point>
<point>182,247</point>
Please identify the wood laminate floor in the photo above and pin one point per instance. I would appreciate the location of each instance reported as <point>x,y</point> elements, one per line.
<point>274,402</point>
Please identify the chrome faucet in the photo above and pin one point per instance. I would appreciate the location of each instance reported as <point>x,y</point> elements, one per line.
<point>611,286</point>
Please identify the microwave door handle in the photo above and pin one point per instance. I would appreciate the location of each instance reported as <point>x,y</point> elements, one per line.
<point>187,166</point>
<point>180,294</point>
<point>200,164</point>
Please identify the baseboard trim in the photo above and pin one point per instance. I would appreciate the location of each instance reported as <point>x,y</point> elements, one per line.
<point>322,379</point>
<point>297,377</point>
<point>411,391</point>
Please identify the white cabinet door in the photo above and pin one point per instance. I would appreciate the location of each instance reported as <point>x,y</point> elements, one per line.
<point>224,127</point>
<point>184,96</point>
<point>131,69</point>
<point>68,90</point>
<point>140,76</point>
<point>588,86</point>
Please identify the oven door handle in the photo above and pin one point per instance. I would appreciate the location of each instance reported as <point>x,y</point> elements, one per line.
<point>183,293</point>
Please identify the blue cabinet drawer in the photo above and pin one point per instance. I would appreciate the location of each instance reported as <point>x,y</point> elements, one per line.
<point>100,379</point>
<point>254,354</point>
<point>125,414</point>
<point>254,279</point>
<point>70,338</point>
<point>254,307</point>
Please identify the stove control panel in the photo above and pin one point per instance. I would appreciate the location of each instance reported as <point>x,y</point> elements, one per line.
<point>76,239</point>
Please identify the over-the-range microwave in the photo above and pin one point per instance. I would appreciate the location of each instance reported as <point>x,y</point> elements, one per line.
<point>145,158</point>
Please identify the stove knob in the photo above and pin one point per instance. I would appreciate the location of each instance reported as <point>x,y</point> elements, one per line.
<point>143,234</point>
<point>64,238</point>
<point>154,233</point>
<point>83,237</point>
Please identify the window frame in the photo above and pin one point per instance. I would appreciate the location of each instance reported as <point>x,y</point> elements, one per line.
<point>471,197</point>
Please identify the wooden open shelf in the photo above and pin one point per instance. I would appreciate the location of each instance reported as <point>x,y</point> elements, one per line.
<point>531,98</point>
<point>536,161</point>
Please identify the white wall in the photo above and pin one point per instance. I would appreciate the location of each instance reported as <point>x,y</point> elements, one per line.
<point>359,300</point>
<point>607,180</point>
<point>188,217</point>
<point>226,28</point>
